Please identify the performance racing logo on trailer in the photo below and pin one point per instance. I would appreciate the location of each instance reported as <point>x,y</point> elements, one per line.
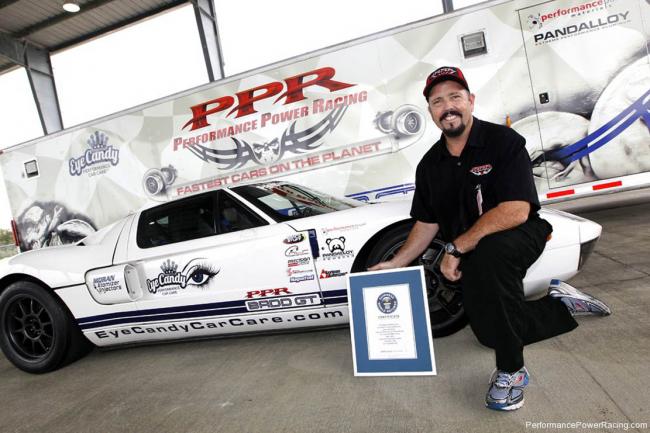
<point>291,140</point>
<point>587,24</point>
<point>97,159</point>
<point>296,142</point>
<point>196,273</point>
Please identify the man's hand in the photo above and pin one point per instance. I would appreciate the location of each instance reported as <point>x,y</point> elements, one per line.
<point>419,238</point>
<point>449,267</point>
<point>383,265</point>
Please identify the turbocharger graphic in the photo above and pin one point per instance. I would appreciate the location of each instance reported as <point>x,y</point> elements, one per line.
<point>156,180</point>
<point>406,121</point>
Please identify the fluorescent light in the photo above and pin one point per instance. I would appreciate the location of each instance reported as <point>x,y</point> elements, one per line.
<point>71,7</point>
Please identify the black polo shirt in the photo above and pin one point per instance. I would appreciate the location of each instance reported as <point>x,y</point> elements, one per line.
<point>453,192</point>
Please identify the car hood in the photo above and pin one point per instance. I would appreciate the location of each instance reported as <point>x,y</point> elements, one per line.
<point>380,214</point>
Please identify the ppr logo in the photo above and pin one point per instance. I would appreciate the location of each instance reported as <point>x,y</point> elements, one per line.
<point>247,99</point>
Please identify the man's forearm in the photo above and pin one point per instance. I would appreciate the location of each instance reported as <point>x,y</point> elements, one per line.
<point>505,216</point>
<point>419,239</point>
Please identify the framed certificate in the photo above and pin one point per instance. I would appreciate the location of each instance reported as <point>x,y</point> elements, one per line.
<point>389,323</point>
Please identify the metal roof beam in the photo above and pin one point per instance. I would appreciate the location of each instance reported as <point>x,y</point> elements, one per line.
<point>12,49</point>
<point>206,22</point>
<point>41,80</point>
<point>36,62</point>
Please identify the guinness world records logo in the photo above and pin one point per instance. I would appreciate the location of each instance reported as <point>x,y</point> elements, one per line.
<point>387,303</point>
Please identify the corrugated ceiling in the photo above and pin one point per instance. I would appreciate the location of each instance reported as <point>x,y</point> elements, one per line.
<point>45,24</point>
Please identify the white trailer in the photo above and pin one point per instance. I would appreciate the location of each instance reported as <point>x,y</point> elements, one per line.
<point>572,76</point>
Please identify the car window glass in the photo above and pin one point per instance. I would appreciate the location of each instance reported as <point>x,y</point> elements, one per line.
<point>234,217</point>
<point>285,201</point>
<point>176,222</point>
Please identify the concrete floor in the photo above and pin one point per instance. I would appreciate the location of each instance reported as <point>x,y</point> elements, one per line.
<point>304,382</point>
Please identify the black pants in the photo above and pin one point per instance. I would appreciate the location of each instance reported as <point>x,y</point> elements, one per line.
<point>494,294</point>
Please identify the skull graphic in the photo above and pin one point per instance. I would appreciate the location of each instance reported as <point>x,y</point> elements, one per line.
<point>266,153</point>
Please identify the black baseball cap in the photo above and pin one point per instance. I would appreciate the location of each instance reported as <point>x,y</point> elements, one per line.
<point>442,74</point>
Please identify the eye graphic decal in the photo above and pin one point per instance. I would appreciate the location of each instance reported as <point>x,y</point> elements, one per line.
<point>199,274</point>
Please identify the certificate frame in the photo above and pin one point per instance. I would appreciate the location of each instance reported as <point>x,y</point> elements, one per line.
<point>364,340</point>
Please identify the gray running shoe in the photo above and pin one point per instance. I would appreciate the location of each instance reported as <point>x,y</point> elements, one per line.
<point>506,390</point>
<point>577,302</point>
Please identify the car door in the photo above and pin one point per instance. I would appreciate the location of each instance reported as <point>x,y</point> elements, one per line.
<point>210,255</point>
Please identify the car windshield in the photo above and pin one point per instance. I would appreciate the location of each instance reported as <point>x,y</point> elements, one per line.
<point>286,201</point>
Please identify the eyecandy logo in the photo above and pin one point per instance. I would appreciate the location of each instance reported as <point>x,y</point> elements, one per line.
<point>168,277</point>
<point>197,273</point>
<point>387,303</point>
<point>99,152</point>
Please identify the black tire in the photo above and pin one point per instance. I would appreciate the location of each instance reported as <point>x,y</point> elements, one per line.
<point>445,298</point>
<point>37,333</point>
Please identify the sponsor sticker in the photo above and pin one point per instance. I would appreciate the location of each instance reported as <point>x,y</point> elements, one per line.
<point>301,278</point>
<point>298,262</point>
<point>331,274</point>
<point>295,251</point>
<point>106,283</point>
<point>292,271</point>
<point>336,248</point>
<point>294,239</point>
<point>345,228</point>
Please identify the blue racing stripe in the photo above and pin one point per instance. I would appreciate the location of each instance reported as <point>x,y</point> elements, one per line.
<point>212,305</point>
<point>330,297</point>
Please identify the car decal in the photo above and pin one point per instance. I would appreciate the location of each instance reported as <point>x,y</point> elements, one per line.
<point>330,297</point>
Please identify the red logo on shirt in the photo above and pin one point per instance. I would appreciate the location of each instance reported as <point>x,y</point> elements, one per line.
<point>480,170</point>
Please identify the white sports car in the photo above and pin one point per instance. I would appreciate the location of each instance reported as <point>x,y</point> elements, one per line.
<point>254,258</point>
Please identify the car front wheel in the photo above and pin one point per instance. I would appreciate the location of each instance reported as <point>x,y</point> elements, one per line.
<point>445,298</point>
<point>37,334</point>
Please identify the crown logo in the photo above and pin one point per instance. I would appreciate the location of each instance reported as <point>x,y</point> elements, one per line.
<point>97,140</point>
<point>169,267</point>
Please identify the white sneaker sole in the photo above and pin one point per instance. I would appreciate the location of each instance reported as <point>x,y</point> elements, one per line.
<point>560,289</point>
<point>507,408</point>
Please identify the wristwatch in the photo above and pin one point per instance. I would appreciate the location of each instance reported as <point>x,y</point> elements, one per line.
<point>450,248</point>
